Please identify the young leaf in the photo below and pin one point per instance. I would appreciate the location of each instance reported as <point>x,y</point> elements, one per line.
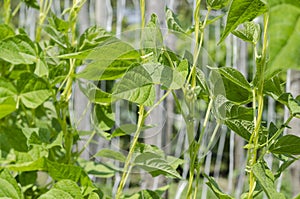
<point>92,37</point>
<point>284,35</point>
<point>216,189</point>
<point>266,180</point>
<point>8,186</point>
<point>241,11</point>
<point>250,32</point>
<point>155,165</point>
<point>294,106</point>
<point>107,153</point>
<point>18,50</point>
<point>288,144</point>
<point>217,4</point>
<point>172,21</point>
<point>152,39</point>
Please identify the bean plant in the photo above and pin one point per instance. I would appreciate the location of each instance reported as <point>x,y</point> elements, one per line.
<point>39,154</point>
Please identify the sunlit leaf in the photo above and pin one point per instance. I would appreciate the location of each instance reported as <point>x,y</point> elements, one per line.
<point>107,153</point>
<point>8,186</point>
<point>217,4</point>
<point>18,50</point>
<point>250,32</point>
<point>155,165</point>
<point>241,11</point>
<point>284,34</point>
<point>104,59</point>
<point>33,91</point>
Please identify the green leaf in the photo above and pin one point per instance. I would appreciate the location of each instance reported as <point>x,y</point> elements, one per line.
<point>41,68</point>
<point>33,91</point>
<point>32,3</point>
<point>152,39</point>
<point>8,94</point>
<point>144,194</point>
<point>288,144</point>
<point>235,77</point>
<point>172,21</point>
<point>8,186</point>
<point>6,31</point>
<point>92,37</point>
<point>98,170</point>
<point>59,24</point>
<point>12,138</point>
<point>107,153</point>
<point>103,117</point>
<point>241,11</point>
<point>109,61</point>
<point>250,32</point>
<point>127,129</point>
<point>266,179</point>
<point>56,193</point>
<point>18,50</point>
<point>284,34</point>
<point>70,187</point>
<point>137,84</point>
<point>217,4</point>
<point>212,184</point>
<point>94,94</point>
<point>273,87</point>
<point>155,165</point>
<point>294,105</point>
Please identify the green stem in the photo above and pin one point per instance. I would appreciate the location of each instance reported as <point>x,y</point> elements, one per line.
<point>142,8</point>
<point>157,103</point>
<point>7,11</point>
<point>87,143</point>
<point>253,142</point>
<point>45,6</point>
<point>126,170</point>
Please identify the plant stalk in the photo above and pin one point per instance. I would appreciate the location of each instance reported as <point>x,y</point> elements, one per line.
<point>253,151</point>
<point>126,170</point>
